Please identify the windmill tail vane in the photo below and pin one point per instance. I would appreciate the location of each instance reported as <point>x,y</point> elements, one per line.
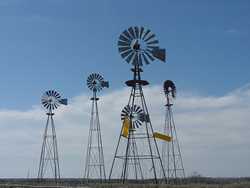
<point>159,54</point>
<point>64,101</point>
<point>105,84</point>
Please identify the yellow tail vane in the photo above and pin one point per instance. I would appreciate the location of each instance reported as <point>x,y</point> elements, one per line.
<point>162,136</point>
<point>125,127</point>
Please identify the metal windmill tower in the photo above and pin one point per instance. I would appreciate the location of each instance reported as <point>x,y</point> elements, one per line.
<point>94,167</point>
<point>171,153</point>
<point>137,155</point>
<point>49,160</point>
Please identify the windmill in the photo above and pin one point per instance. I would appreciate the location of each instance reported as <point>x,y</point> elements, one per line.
<point>49,160</point>
<point>94,167</point>
<point>171,153</point>
<point>137,155</point>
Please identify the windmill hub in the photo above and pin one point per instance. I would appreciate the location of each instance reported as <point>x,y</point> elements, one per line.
<point>136,46</point>
<point>134,116</point>
<point>94,82</point>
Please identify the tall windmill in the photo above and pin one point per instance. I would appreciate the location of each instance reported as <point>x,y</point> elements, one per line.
<point>49,160</point>
<point>94,167</point>
<point>171,153</point>
<point>137,155</point>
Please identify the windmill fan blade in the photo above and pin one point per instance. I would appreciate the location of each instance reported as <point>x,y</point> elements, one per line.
<point>159,54</point>
<point>149,55</point>
<point>122,43</point>
<point>122,49</point>
<point>145,59</point>
<point>153,42</point>
<point>126,33</point>
<point>136,32</point>
<point>150,37</point>
<point>141,32</point>
<point>136,124</point>
<point>128,59</point>
<point>147,32</point>
<point>64,101</point>
<point>125,39</point>
<point>131,32</point>
<point>125,54</point>
<point>124,112</point>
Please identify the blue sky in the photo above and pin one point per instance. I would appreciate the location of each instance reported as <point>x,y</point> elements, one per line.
<point>56,44</point>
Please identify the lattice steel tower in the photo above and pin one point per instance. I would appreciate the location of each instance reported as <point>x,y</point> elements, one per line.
<point>94,167</point>
<point>171,153</point>
<point>137,156</point>
<point>49,160</point>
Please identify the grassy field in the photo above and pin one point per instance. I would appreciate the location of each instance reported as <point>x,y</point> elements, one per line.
<point>80,183</point>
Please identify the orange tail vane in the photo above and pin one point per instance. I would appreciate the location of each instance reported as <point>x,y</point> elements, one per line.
<point>161,136</point>
<point>125,127</point>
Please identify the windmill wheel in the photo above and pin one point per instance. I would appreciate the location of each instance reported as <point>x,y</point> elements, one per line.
<point>95,82</point>
<point>134,113</point>
<point>51,100</point>
<point>138,45</point>
<point>169,88</point>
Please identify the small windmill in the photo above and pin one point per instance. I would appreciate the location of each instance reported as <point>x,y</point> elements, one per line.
<point>49,160</point>
<point>137,156</point>
<point>94,167</point>
<point>171,153</point>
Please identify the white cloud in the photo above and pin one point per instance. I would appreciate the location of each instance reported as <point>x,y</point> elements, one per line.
<point>213,132</point>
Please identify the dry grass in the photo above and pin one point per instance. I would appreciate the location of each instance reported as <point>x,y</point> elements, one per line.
<point>233,185</point>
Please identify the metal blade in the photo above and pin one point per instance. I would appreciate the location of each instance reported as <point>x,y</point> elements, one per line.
<point>149,55</point>
<point>131,32</point>
<point>121,43</point>
<point>153,42</point>
<point>122,49</point>
<point>128,59</point>
<point>145,58</point>
<point>141,32</point>
<point>126,33</point>
<point>152,47</point>
<point>136,32</point>
<point>124,38</point>
<point>146,33</point>
<point>150,37</point>
<point>125,54</point>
